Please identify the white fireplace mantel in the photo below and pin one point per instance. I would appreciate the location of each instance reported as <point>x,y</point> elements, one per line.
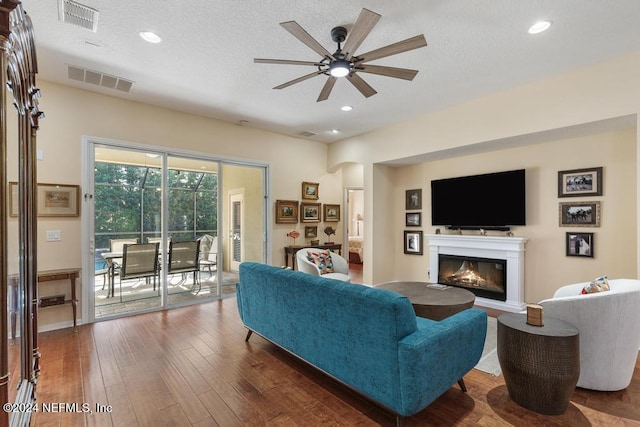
<point>511,249</point>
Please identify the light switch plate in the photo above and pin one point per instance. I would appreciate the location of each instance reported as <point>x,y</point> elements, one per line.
<point>53,236</point>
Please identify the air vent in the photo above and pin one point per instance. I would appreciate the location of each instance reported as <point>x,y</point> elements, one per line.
<point>99,79</point>
<point>78,14</point>
<point>307,134</point>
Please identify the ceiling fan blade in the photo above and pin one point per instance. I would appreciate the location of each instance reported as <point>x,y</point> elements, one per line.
<point>361,85</point>
<point>398,73</point>
<point>286,62</point>
<point>361,29</point>
<point>301,34</point>
<point>326,89</point>
<point>393,49</point>
<point>298,80</point>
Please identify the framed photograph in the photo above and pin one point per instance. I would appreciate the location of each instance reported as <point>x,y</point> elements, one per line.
<point>58,200</point>
<point>580,182</point>
<point>413,242</point>
<point>580,244</point>
<point>331,213</point>
<point>309,212</point>
<point>580,214</point>
<point>286,211</point>
<point>310,190</point>
<point>413,199</point>
<point>311,231</point>
<point>413,219</point>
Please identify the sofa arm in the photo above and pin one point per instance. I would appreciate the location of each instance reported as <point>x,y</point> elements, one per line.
<point>438,354</point>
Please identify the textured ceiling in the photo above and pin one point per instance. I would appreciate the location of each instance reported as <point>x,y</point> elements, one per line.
<point>205,63</point>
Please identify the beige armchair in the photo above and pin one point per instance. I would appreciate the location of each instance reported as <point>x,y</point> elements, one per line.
<point>609,330</point>
<point>339,270</point>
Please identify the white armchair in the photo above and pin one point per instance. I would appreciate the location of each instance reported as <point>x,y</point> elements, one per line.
<point>609,325</point>
<point>340,265</point>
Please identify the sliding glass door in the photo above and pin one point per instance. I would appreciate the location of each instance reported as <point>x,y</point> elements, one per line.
<point>177,203</point>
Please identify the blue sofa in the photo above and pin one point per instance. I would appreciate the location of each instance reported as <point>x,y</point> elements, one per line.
<point>367,338</point>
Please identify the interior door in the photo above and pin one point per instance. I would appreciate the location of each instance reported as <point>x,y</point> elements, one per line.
<point>236,237</point>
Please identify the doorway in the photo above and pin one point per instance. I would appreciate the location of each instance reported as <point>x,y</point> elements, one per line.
<point>355,226</point>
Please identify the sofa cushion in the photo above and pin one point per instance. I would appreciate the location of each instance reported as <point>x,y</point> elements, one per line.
<point>322,260</point>
<point>599,284</point>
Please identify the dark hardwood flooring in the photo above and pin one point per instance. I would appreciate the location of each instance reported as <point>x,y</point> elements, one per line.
<point>192,367</point>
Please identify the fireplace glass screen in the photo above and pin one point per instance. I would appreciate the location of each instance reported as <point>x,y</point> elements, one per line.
<point>485,277</point>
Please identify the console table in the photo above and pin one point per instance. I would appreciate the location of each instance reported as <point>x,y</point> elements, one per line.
<point>541,364</point>
<point>70,274</point>
<point>291,251</point>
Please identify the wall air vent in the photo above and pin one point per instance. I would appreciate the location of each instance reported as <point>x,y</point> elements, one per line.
<point>99,79</point>
<point>307,134</point>
<point>78,14</point>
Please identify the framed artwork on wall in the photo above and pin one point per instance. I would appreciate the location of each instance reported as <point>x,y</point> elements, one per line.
<point>309,212</point>
<point>580,182</point>
<point>413,199</point>
<point>55,200</point>
<point>310,190</point>
<point>579,214</point>
<point>413,242</point>
<point>580,244</point>
<point>413,219</point>
<point>311,231</point>
<point>331,213</point>
<point>286,211</point>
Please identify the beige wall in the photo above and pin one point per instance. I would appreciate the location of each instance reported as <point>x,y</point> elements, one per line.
<point>546,266</point>
<point>72,114</point>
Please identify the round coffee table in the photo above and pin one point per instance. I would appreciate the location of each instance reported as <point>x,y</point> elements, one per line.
<point>433,303</point>
<point>541,364</point>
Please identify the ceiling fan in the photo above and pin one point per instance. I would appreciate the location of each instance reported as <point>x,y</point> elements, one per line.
<point>343,62</point>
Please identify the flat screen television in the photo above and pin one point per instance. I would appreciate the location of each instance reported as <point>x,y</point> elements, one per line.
<point>491,201</point>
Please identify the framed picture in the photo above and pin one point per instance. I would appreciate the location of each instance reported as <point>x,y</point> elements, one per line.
<point>286,211</point>
<point>59,200</point>
<point>309,212</point>
<point>310,190</point>
<point>311,231</point>
<point>580,214</point>
<point>413,219</point>
<point>413,199</point>
<point>413,242</point>
<point>580,244</point>
<point>580,182</point>
<point>331,213</point>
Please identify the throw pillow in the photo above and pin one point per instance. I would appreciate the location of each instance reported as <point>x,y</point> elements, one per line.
<point>322,260</point>
<point>599,284</point>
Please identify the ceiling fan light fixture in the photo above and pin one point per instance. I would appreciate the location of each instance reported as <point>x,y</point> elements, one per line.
<point>339,68</point>
<point>150,36</point>
<point>539,27</point>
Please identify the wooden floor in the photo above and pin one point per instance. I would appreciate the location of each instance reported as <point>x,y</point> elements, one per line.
<point>192,367</point>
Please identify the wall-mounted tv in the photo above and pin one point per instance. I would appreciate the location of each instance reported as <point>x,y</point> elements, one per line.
<point>491,201</point>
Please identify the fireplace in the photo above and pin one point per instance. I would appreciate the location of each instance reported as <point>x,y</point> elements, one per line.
<point>510,249</point>
<point>485,277</point>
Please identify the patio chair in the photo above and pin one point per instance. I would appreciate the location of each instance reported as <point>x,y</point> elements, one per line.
<point>158,240</point>
<point>208,252</point>
<point>184,258</point>
<point>114,260</point>
<point>139,260</point>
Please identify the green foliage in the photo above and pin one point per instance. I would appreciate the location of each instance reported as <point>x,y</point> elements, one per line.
<point>128,200</point>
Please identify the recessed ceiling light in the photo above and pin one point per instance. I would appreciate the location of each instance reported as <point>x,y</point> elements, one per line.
<point>335,131</point>
<point>150,36</point>
<point>539,27</point>
<point>346,108</point>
